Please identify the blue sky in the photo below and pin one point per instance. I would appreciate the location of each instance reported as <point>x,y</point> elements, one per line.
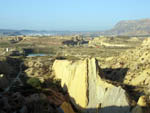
<point>70,14</point>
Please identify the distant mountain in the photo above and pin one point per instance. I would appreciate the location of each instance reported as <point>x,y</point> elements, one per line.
<point>23,32</point>
<point>125,28</point>
<point>130,28</point>
<point>8,32</point>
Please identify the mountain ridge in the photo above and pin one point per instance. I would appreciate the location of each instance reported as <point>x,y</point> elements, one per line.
<point>139,27</point>
<point>130,28</point>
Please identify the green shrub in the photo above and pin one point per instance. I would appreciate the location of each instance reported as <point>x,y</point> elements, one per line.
<point>34,82</point>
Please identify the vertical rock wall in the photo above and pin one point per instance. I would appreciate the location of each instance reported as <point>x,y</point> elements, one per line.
<point>73,76</point>
<point>88,91</point>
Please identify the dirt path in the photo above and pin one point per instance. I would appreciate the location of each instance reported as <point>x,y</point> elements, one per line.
<point>16,79</point>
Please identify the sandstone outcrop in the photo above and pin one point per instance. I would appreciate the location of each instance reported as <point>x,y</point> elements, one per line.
<point>113,42</point>
<point>67,108</point>
<point>136,61</point>
<point>73,77</point>
<point>38,67</point>
<point>142,105</point>
<point>146,42</point>
<point>88,90</point>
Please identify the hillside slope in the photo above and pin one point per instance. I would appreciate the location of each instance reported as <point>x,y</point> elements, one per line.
<point>131,28</point>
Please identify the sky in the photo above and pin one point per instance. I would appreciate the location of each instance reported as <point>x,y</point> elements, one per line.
<point>73,15</point>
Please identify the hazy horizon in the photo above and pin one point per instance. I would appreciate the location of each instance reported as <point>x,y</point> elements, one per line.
<point>69,15</point>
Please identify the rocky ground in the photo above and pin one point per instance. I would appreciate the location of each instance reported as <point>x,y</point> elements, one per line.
<point>135,61</point>
<point>27,86</point>
<point>78,82</point>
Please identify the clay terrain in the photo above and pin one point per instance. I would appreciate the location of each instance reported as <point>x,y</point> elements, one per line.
<point>74,74</point>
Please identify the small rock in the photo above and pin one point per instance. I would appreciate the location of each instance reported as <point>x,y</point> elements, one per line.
<point>67,108</point>
<point>142,101</point>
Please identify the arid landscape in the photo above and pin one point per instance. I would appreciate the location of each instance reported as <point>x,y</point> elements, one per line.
<point>74,56</point>
<point>68,74</point>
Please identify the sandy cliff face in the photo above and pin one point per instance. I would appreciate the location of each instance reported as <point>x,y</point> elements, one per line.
<point>87,89</point>
<point>73,77</point>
